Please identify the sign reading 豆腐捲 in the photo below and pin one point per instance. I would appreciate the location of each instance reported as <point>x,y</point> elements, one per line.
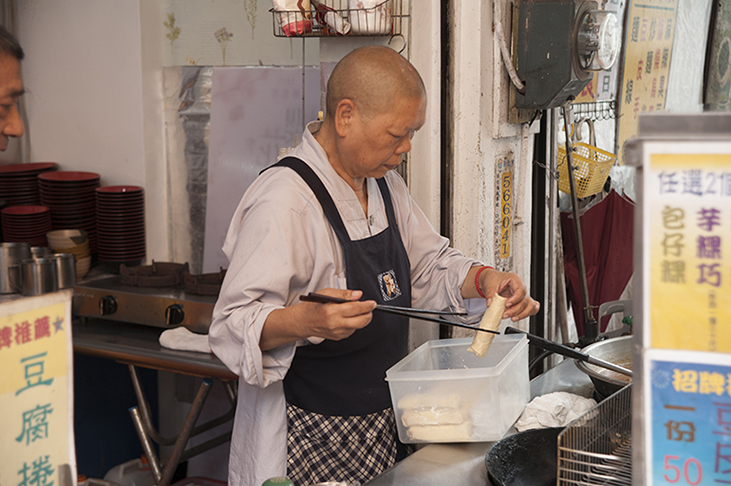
<point>36,390</point>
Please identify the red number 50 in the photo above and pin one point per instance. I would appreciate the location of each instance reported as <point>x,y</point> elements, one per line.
<point>686,466</point>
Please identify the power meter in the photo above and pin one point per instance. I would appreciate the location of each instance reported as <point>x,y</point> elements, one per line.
<point>559,43</point>
<point>597,40</point>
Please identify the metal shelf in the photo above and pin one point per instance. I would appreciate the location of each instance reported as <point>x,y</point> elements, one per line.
<point>333,19</point>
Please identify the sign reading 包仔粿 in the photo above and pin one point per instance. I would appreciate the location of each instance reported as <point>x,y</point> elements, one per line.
<point>37,441</point>
<point>688,230</point>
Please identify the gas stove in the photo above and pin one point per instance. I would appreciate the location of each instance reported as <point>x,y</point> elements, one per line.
<point>161,295</point>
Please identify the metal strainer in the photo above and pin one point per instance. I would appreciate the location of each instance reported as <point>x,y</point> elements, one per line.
<point>596,448</point>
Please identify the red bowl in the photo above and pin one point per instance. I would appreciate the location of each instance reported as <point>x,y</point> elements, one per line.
<point>25,210</point>
<point>20,169</point>
<point>120,238</point>
<point>69,176</point>
<point>20,191</point>
<point>111,217</point>
<point>68,189</point>
<point>134,206</point>
<point>19,182</point>
<point>119,191</point>
<point>106,213</point>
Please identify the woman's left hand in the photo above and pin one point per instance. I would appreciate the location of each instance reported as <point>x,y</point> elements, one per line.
<point>519,305</point>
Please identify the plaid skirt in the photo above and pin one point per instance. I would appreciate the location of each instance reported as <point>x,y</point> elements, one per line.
<point>347,449</point>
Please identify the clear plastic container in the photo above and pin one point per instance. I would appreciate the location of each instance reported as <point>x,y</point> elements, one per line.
<point>443,393</point>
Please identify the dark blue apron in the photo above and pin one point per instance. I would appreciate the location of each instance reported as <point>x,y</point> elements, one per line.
<point>347,377</point>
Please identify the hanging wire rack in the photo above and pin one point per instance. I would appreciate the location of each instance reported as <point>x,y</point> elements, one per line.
<point>596,448</point>
<point>596,111</point>
<point>327,18</point>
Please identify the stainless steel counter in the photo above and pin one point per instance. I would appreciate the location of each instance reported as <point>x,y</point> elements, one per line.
<point>138,345</point>
<point>464,464</point>
<point>435,464</point>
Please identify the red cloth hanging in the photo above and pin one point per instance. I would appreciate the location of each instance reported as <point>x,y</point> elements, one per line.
<point>607,230</point>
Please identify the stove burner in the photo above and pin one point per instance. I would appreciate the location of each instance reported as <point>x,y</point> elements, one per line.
<point>206,284</point>
<point>159,274</point>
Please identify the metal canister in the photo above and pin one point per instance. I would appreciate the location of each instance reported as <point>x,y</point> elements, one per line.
<point>65,269</point>
<point>38,276</point>
<point>39,251</point>
<point>11,254</point>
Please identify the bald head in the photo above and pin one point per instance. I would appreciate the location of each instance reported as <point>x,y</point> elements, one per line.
<point>373,77</point>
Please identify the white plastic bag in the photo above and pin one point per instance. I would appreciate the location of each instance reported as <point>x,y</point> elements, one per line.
<point>369,16</point>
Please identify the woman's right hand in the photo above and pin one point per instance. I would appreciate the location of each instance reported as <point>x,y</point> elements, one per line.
<point>311,319</point>
<point>337,321</point>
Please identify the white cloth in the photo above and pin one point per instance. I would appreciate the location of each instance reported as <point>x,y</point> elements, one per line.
<point>183,339</point>
<point>556,409</point>
<point>281,246</point>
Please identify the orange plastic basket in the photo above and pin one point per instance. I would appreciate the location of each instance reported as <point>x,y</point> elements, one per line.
<point>591,169</point>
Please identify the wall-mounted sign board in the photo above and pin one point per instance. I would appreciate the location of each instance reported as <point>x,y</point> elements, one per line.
<point>681,432</point>
<point>36,391</point>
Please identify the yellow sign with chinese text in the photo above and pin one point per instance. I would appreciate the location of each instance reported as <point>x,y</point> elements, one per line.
<point>506,213</point>
<point>688,246</point>
<point>504,202</point>
<point>36,390</point>
<point>648,49</point>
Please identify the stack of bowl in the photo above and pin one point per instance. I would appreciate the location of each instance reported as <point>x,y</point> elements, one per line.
<point>26,224</point>
<point>72,241</point>
<point>71,197</point>
<point>120,222</point>
<point>19,182</point>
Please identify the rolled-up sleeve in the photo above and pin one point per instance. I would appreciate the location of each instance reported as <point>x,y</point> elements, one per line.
<point>270,249</point>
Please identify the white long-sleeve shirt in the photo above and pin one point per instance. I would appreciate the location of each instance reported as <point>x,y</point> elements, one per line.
<point>280,246</point>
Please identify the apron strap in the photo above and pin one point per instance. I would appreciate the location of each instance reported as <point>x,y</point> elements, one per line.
<point>387,202</point>
<point>323,196</point>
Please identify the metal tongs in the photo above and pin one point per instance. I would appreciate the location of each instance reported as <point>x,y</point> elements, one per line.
<point>400,311</point>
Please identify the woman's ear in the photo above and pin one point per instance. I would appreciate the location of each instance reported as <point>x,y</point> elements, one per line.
<point>345,114</point>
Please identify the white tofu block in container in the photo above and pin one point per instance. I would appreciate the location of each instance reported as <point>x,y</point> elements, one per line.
<point>443,393</point>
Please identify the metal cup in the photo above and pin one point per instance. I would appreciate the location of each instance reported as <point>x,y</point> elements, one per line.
<point>65,269</point>
<point>38,276</point>
<point>11,254</point>
<point>39,251</point>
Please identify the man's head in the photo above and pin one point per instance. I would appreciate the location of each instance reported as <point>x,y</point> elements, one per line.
<point>11,87</point>
<point>376,100</point>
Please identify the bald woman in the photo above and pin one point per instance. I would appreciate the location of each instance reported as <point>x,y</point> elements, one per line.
<point>334,218</point>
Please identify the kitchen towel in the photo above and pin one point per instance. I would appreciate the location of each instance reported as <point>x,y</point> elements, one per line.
<point>556,409</point>
<point>182,339</point>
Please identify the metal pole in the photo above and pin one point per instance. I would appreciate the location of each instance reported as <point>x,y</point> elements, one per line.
<point>147,447</point>
<point>590,324</point>
<point>144,410</point>
<point>195,411</point>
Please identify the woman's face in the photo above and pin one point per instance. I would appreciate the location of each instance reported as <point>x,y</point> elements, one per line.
<point>377,144</point>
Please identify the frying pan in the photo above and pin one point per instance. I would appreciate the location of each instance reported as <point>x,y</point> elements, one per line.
<point>617,350</point>
<point>527,458</point>
<point>570,352</point>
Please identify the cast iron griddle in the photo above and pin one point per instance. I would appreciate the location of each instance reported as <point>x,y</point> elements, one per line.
<point>527,458</point>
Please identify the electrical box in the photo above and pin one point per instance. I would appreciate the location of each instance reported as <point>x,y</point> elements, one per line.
<point>557,44</point>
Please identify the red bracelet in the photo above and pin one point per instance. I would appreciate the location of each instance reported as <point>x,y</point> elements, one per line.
<point>477,281</point>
